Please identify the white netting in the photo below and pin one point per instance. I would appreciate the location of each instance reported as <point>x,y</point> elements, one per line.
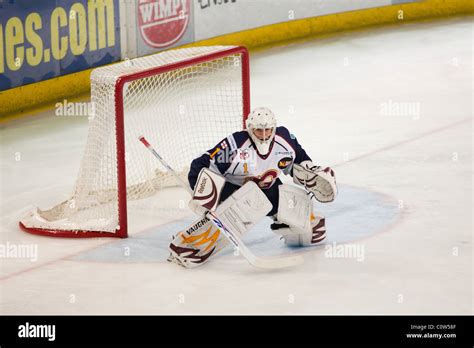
<point>182,113</point>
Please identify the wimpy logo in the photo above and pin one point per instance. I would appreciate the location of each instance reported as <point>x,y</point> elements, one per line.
<point>33,331</point>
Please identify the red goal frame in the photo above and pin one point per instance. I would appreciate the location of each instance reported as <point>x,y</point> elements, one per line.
<point>122,230</point>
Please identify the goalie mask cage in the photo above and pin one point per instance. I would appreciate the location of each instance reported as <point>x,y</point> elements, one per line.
<point>183,101</point>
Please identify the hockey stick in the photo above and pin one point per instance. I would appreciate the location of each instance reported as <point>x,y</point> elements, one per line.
<point>166,165</point>
<point>234,238</point>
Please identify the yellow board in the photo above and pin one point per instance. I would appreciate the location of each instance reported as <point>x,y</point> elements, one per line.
<point>18,101</point>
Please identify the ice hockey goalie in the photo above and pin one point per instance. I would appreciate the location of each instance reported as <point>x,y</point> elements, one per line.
<point>259,154</point>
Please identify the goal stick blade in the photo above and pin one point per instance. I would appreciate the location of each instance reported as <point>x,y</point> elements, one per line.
<point>275,262</point>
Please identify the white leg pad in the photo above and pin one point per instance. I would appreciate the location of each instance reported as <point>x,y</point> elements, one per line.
<point>294,207</point>
<point>244,208</point>
<point>241,211</point>
<point>307,238</point>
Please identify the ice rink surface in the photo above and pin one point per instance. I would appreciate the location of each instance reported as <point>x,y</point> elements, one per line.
<point>389,109</point>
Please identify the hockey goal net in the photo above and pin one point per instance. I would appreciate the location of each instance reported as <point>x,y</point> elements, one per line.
<point>183,101</point>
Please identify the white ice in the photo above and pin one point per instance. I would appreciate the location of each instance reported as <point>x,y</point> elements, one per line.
<point>405,179</point>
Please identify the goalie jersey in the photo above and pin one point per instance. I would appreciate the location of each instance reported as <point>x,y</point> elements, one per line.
<point>237,159</point>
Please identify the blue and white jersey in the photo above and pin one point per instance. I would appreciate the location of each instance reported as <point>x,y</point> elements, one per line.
<point>237,159</point>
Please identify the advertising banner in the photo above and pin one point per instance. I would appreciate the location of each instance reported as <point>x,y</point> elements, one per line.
<point>162,24</point>
<point>48,38</point>
<point>219,17</point>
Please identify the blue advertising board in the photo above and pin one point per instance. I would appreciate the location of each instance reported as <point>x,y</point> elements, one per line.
<point>49,38</point>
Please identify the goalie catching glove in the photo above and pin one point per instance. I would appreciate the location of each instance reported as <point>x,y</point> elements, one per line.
<point>321,182</point>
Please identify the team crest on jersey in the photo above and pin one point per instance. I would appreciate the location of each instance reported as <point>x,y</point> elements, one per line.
<point>265,180</point>
<point>224,145</point>
<point>285,162</point>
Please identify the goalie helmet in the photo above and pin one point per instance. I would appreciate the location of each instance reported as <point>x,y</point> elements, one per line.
<point>263,122</point>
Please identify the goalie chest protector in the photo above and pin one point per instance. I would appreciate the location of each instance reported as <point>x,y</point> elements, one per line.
<point>238,161</point>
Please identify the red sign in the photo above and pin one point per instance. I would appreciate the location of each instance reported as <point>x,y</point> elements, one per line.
<point>163,22</point>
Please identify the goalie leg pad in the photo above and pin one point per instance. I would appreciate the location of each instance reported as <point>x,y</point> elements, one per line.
<point>296,222</point>
<point>241,211</point>
<point>244,208</point>
<point>307,238</point>
<point>194,246</point>
<point>294,207</point>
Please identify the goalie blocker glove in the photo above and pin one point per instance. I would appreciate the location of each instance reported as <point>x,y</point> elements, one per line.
<point>207,192</point>
<point>321,182</point>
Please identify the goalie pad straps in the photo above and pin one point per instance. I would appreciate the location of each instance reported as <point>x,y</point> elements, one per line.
<point>207,191</point>
<point>321,182</point>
